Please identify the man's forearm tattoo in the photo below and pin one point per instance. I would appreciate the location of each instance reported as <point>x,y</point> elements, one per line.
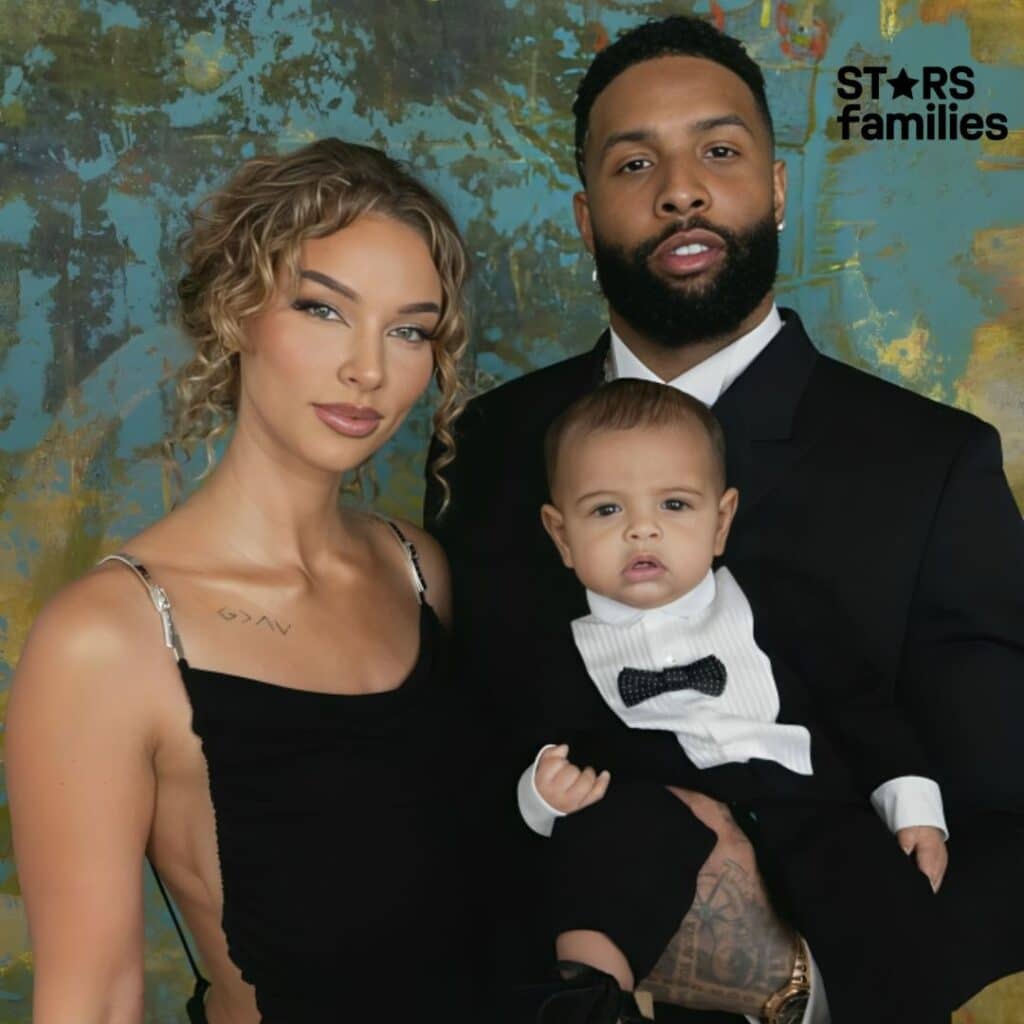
<point>244,618</point>
<point>731,951</point>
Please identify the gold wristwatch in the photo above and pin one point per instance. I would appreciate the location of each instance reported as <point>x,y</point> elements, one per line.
<point>782,1006</point>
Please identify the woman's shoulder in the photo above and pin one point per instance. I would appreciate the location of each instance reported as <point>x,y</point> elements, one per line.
<point>432,564</point>
<point>95,629</point>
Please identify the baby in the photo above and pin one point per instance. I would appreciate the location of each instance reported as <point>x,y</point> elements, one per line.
<point>640,509</point>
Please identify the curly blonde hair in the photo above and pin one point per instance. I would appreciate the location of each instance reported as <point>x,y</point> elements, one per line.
<point>243,237</point>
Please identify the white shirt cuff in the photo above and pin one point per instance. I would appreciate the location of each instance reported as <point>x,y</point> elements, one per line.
<point>536,811</point>
<point>817,1004</point>
<point>816,1011</point>
<point>910,800</point>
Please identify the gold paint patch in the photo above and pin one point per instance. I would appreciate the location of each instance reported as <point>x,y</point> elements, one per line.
<point>55,525</point>
<point>1003,154</point>
<point>14,114</point>
<point>1000,1003</point>
<point>920,366</point>
<point>992,384</point>
<point>991,387</point>
<point>203,59</point>
<point>996,27</point>
<point>13,925</point>
<point>1001,251</point>
<point>892,19</point>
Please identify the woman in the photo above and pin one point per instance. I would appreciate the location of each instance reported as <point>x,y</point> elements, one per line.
<point>271,724</point>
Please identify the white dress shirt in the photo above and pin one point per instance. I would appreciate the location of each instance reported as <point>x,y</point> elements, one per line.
<point>709,379</point>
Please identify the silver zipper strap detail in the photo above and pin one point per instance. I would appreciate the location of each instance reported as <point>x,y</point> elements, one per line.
<point>158,596</point>
<point>411,554</point>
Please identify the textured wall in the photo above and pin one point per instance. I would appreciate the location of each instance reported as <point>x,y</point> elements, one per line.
<point>904,256</point>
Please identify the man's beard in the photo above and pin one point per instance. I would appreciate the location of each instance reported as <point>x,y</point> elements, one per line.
<point>675,315</point>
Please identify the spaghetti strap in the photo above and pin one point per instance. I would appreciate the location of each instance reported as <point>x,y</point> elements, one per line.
<point>158,596</point>
<point>194,1009</point>
<point>411,554</point>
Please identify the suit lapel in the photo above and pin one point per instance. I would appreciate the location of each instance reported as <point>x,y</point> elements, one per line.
<point>595,366</point>
<point>758,413</point>
<point>563,595</point>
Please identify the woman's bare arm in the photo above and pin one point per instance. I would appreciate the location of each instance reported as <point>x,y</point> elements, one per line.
<point>80,775</point>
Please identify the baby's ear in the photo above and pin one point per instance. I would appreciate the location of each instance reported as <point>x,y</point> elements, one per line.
<point>727,506</point>
<point>554,523</point>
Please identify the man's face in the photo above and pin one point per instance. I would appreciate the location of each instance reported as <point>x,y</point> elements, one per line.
<point>682,200</point>
<point>640,514</point>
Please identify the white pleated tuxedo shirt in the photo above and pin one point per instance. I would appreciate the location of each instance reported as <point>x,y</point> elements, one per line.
<point>714,618</point>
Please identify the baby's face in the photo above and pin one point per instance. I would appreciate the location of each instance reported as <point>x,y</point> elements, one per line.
<point>640,513</point>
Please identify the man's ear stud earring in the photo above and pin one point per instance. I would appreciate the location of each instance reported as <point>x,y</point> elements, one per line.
<point>781,226</point>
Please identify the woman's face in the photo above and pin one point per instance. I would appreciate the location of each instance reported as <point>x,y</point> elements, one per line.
<point>330,370</point>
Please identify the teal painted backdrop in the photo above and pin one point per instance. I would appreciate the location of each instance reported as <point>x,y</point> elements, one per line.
<point>115,117</point>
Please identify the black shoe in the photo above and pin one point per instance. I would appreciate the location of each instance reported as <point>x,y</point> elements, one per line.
<point>586,995</point>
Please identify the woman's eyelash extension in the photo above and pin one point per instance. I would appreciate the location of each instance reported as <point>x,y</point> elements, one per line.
<point>424,335</point>
<point>307,304</point>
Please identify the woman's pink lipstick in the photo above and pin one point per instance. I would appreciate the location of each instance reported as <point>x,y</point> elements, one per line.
<point>349,420</point>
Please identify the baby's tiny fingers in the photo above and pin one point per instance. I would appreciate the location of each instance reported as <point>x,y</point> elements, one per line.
<point>582,786</point>
<point>932,859</point>
<point>553,755</point>
<point>599,789</point>
<point>555,767</point>
<point>565,776</point>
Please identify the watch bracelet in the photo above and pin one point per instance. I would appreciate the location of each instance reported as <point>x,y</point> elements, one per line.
<point>788,1004</point>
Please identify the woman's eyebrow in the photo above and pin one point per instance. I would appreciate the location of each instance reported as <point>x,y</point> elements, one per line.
<point>329,282</point>
<point>342,289</point>
<point>421,307</point>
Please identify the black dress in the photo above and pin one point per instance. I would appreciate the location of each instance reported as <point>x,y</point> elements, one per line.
<point>341,841</point>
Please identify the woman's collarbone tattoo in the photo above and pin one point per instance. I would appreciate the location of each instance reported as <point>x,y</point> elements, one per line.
<point>240,617</point>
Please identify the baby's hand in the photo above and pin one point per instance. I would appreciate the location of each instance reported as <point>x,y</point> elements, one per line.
<point>564,786</point>
<point>929,850</point>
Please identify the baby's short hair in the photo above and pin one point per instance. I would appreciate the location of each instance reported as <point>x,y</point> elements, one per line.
<point>624,404</point>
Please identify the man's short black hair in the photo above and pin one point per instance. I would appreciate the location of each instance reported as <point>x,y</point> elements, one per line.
<point>678,36</point>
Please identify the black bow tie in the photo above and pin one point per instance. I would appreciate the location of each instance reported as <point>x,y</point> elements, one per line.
<point>706,675</point>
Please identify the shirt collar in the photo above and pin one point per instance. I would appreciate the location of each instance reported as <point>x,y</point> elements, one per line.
<point>691,604</point>
<point>709,379</point>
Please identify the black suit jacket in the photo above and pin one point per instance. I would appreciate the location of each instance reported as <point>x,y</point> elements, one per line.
<point>876,537</point>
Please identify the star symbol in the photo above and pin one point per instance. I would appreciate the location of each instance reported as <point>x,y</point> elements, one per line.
<point>903,84</point>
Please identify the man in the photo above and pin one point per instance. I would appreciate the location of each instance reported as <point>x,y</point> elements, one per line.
<point>878,526</point>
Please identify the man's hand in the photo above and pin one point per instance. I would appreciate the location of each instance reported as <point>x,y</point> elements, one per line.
<point>564,786</point>
<point>929,850</point>
<point>731,951</point>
